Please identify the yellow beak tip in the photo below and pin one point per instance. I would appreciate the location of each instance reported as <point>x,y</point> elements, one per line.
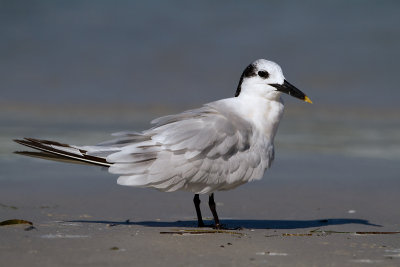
<point>308,100</point>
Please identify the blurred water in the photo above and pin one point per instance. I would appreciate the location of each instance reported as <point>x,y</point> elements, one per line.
<point>76,71</point>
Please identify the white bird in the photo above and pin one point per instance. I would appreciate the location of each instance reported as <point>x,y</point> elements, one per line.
<point>219,146</point>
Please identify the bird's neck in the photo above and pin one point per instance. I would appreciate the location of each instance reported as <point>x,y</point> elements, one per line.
<point>264,113</point>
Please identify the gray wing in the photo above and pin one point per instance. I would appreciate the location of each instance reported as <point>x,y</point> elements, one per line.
<point>201,150</point>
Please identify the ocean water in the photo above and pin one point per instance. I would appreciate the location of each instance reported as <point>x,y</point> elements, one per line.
<point>76,71</point>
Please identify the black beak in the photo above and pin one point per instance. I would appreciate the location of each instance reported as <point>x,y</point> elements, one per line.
<point>290,89</point>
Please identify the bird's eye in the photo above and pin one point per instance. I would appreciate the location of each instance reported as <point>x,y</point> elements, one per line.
<point>263,74</point>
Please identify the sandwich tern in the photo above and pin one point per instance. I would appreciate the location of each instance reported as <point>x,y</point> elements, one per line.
<point>219,146</point>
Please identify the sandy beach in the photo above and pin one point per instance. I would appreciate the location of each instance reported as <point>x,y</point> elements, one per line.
<point>309,217</point>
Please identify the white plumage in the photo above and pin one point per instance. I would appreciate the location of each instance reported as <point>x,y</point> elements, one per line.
<point>203,150</point>
<point>216,147</point>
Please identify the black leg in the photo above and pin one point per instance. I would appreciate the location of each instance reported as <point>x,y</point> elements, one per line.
<point>211,203</point>
<point>197,201</point>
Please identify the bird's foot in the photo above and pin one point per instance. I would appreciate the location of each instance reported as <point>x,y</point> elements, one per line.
<point>214,226</point>
<point>219,226</point>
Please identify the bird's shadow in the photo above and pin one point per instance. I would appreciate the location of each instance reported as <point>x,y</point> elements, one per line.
<point>249,224</point>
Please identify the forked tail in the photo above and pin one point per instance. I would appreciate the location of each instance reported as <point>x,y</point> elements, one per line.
<point>59,152</point>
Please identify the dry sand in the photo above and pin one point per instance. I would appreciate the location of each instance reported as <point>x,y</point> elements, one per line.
<point>291,218</point>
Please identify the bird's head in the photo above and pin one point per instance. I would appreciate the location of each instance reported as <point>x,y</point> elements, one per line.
<point>265,78</point>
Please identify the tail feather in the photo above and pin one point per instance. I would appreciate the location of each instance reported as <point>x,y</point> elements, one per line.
<point>48,156</point>
<point>63,152</point>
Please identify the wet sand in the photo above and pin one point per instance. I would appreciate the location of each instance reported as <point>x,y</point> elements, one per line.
<point>308,211</point>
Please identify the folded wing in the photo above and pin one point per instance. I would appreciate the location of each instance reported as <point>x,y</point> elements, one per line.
<point>201,151</point>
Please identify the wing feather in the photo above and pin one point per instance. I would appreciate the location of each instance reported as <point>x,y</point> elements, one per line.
<point>198,150</point>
